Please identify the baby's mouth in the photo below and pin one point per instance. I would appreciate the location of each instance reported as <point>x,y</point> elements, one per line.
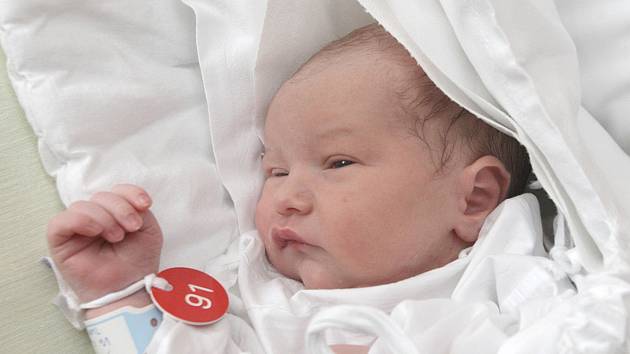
<point>284,237</point>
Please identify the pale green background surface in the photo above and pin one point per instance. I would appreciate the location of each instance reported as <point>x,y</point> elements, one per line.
<point>28,199</point>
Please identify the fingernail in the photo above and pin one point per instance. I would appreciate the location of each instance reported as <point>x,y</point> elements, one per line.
<point>143,200</point>
<point>133,221</point>
<point>116,235</point>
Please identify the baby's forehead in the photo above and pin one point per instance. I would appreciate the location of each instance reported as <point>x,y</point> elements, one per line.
<point>400,76</point>
<point>376,53</point>
<point>373,53</point>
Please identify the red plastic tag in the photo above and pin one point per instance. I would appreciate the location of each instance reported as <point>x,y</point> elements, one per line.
<point>196,298</point>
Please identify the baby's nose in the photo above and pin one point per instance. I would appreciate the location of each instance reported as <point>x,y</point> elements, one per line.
<point>294,198</point>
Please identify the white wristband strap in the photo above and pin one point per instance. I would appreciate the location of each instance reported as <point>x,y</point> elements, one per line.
<point>147,283</point>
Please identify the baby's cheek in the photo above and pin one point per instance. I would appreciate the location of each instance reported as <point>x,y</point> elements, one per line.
<point>352,240</point>
<point>262,216</point>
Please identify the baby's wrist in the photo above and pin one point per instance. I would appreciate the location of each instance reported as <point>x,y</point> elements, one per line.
<point>138,299</point>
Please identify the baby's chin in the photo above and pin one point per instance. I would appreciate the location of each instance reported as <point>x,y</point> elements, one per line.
<point>314,283</point>
<point>310,274</point>
<point>334,280</point>
<point>313,276</point>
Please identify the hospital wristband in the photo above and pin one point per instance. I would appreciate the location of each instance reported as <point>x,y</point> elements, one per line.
<point>127,330</point>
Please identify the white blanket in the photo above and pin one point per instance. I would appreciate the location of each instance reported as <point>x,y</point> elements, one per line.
<point>114,94</point>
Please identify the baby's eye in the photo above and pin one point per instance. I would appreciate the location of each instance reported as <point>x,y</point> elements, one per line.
<point>341,163</point>
<point>278,172</point>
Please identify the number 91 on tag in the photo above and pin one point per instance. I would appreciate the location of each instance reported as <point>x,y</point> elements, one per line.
<point>196,298</point>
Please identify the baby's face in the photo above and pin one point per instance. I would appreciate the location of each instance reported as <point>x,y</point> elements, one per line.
<point>351,198</point>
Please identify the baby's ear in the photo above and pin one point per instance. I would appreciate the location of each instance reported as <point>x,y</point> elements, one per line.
<point>482,185</point>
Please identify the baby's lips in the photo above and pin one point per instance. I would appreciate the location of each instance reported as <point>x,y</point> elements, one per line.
<point>282,236</point>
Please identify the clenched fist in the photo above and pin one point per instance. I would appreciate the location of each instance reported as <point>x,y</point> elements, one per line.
<point>105,244</point>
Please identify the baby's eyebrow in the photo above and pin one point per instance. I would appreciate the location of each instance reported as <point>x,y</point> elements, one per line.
<point>334,133</point>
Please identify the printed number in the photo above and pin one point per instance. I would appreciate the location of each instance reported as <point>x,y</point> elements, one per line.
<point>194,288</point>
<point>197,300</point>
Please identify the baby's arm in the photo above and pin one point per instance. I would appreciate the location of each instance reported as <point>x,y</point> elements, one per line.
<point>105,244</point>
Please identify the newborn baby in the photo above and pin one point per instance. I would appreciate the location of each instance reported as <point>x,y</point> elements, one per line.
<point>372,176</point>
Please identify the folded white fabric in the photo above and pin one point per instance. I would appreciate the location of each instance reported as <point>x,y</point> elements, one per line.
<point>599,30</point>
<point>113,92</point>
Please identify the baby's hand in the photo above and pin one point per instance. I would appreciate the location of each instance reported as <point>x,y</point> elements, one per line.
<point>105,244</point>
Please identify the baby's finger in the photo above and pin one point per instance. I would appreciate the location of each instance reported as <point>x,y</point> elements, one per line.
<point>122,211</point>
<point>135,195</point>
<point>112,231</point>
<point>67,224</point>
